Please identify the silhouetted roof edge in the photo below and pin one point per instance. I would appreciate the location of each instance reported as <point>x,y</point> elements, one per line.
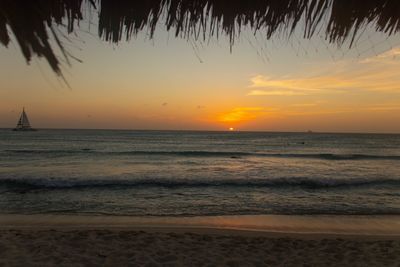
<point>33,22</point>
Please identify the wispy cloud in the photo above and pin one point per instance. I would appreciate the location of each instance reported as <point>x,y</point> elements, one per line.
<point>273,83</point>
<point>378,73</point>
<point>391,56</point>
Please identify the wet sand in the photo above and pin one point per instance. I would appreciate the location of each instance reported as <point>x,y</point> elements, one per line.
<point>96,241</point>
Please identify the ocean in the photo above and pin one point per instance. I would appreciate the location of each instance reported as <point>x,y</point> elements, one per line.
<point>189,173</point>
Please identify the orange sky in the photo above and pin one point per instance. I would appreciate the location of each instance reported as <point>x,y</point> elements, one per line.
<point>172,84</point>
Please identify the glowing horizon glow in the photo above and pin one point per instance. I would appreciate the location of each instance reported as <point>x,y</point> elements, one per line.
<point>241,114</point>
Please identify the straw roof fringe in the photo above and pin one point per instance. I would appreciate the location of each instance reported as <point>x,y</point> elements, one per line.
<point>33,22</point>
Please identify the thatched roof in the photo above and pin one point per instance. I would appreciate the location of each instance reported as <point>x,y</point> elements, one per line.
<point>31,22</point>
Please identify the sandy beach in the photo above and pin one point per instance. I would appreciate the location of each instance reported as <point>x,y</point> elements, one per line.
<point>59,241</point>
<point>159,248</point>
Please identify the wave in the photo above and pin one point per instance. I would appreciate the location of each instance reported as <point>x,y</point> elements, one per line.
<point>277,183</point>
<point>324,156</point>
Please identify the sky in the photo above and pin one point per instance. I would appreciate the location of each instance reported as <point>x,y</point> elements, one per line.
<point>169,83</point>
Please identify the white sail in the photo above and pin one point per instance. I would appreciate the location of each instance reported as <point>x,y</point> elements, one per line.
<point>23,123</point>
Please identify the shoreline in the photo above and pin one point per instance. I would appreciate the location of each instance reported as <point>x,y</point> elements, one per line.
<point>354,226</point>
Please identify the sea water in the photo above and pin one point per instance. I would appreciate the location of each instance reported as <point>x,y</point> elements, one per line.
<point>185,173</point>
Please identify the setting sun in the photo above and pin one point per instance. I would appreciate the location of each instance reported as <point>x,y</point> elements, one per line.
<point>231,129</point>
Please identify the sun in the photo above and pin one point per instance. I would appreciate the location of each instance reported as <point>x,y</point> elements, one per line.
<point>231,129</point>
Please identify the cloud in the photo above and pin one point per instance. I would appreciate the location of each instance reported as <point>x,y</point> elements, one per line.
<point>260,81</point>
<point>379,73</point>
<point>389,57</point>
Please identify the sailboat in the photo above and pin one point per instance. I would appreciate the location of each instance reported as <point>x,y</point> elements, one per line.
<point>23,123</point>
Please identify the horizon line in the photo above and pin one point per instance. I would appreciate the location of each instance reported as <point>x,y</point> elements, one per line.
<point>223,131</point>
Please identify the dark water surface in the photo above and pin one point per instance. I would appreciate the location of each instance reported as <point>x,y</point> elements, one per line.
<point>176,173</point>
